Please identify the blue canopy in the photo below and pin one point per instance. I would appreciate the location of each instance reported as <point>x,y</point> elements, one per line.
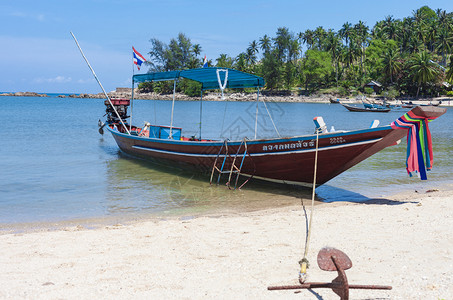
<point>207,77</point>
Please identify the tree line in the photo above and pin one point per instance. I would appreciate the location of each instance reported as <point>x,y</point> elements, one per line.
<point>412,57</point>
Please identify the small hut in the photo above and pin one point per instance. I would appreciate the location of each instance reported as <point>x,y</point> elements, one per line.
<point>376,86</point>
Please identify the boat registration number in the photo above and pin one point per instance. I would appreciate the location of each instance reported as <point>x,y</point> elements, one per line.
<point>337,140</point>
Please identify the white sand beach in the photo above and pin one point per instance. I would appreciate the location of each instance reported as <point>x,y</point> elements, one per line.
<point>404,241</point>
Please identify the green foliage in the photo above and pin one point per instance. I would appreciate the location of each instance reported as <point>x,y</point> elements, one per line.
<point>192,88</point>
<point>224,61</point>
<point>270,70</point>
<point>368,90</point>
<point>449,74</point>
<point>163,87</point>
<point>343,92</point>
<point>316,66</point>
<point>179,54</point>
<point>390,93</point>
<point>422,69</point>
<point>146,87</point>
<point>409,54</point>
<point>450,93</point>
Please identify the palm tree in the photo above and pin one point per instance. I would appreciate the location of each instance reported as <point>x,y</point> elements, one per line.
<point>224,61</point>
<point>431,34</point>
<point>345,32</point>
<point>444,42</point>
<point>378,30</point>
<point>319,36</point>
<point>392,64</point>
<point>196,49</point>
<point>390,27</point>
<point>265,43</point>
<point>241,63</point>
<point>281,42</point>
<point>253,49</point>
<point>423,69</point>
<point>362,35</point>
<point>333,45</point>
<point>293,50</point>
<point>404,35</point>
<point>420,25</point>
<point>308,38</point>
<point>414,45</point>
<point>449,74</point>
<point>250,57</point>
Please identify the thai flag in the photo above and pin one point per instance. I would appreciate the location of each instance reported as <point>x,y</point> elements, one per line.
<point>138,58</point>
<point>205,62</point>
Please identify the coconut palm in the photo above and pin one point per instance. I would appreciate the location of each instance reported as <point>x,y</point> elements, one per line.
<point>423,69</point>
<point>253,46</point>
<point>250,57</point>
<point>345,32</point>
<point>224,61</point>
<point>319,36</point>
<point>378,30</point>
<point>414,45</point>
<point>392,64</point>
<point>196,49</point>
<point>449,74</point>
<point>308,38</point>
<point>293,49</point>
<point>361,34</point>
<point>265,43</point>
<point>251,53</point>
<point>333,45</point>
<point>281,42</point>
<point>444,42</point>
<point>404,34</point>
<point>390,27</point>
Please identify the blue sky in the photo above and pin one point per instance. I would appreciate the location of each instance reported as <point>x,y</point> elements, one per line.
<point>38,54</point>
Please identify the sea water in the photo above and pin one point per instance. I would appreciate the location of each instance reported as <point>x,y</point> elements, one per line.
<point>55,166</point>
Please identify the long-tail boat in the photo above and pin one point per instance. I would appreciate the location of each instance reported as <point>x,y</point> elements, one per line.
<point>365,109</point>
<point>282,159</point>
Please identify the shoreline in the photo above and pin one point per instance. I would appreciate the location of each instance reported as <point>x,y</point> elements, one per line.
<point>97,222</point>
<point>212,96</point>
<point>403,240</point>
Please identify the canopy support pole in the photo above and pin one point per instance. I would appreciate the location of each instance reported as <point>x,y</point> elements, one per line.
<point>201,109</point>
<point>256,115</point>
<point>172,109</point>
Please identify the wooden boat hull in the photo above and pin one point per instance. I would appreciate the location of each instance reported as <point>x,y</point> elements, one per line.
<point>364,109</point>
<point>287,160</point>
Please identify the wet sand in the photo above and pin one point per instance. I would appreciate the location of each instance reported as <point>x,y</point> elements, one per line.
<point>404,241</point>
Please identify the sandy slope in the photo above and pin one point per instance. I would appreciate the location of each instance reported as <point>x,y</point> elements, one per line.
<point>404,241</point>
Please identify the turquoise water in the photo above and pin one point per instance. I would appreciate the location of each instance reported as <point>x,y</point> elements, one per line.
<point>56,166</point>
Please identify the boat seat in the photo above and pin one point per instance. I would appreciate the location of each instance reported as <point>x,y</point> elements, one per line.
<point>321,126</point>
<point>374,124</point>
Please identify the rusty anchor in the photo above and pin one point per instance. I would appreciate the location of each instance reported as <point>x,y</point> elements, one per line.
<point>331,259</point>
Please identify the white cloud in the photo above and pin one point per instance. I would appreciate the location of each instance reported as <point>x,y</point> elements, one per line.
<point>57,79</point>
<point>86,81</point>
<point>37,17</point>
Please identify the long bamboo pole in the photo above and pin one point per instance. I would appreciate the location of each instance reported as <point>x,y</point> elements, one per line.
<point>94,74</point>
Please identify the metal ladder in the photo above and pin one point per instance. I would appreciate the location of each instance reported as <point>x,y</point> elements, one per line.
<point>223,152</point>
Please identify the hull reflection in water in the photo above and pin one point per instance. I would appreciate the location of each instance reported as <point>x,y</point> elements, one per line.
<point>139,186</point>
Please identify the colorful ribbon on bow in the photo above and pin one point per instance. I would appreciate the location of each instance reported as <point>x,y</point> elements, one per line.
<point>419,145</point>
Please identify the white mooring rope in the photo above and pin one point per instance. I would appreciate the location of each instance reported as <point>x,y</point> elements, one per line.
<point>304,261</point>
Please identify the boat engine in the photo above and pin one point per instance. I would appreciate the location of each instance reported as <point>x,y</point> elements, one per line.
<point>120,105</point>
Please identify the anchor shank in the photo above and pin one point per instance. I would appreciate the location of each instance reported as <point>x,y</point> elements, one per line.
<point>369,287</point>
